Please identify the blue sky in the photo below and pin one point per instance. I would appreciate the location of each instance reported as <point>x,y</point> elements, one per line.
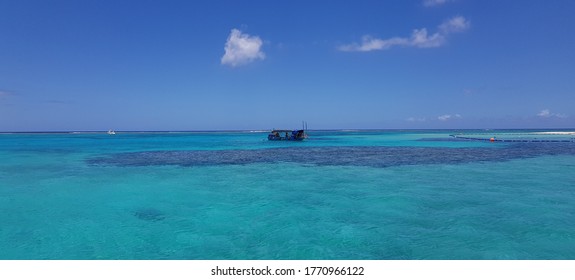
<point>217,65</point>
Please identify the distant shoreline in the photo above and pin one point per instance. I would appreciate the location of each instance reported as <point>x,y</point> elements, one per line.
<point>566,131</point>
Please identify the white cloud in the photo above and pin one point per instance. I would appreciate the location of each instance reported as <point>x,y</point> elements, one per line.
<point>546,113</point>
<point>414,119</point>
<point>447,117</point>
<point>444,117</point>
<point>431,3</point>
<point>454,25</point>
<point>242,49</point>
<point>419,38</point>
<point>369,43</point>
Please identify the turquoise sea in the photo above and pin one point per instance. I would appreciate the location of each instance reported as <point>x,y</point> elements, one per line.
<point>234,195</point>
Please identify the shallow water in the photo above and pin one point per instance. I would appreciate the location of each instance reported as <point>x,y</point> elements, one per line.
<point>338,195</point>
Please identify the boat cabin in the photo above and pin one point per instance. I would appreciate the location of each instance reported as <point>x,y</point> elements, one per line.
<point>286,135</point>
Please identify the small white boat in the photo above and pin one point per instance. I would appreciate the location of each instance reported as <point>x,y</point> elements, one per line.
<point>111,132</point>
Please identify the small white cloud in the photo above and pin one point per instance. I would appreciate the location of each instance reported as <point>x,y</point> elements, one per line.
<point>431,3</point>
<point>419,38</point>
<point>413,119</point>
<point>444,117</point>
<point>242,49</point>
<point>546,113</point>
<point>369,43</point>
<point>454,25</point>
<point>447,117</point>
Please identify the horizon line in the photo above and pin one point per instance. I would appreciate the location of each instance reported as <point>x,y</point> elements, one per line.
<point>264,130</point>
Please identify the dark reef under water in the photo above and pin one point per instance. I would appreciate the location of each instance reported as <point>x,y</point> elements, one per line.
<point>338,156</point>
<point>149,214</point>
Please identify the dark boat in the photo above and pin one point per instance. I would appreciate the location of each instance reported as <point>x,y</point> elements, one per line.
<point>287,135</point>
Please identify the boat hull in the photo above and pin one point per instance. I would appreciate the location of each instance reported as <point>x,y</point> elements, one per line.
<point>295,135</point>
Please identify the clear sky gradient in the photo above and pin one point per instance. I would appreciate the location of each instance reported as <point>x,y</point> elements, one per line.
<point>219,65</point>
